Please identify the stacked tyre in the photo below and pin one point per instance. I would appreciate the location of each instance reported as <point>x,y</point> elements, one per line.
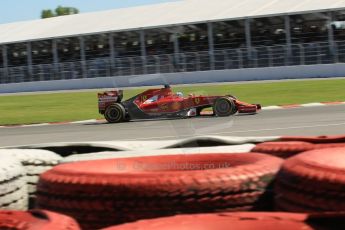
<point>13,189</point>
<point>239,221</point>
<point>36,220</point>
<point>34,162</point>
<point>313,181</point>
<point>286,149</point>
<point>108,192</point>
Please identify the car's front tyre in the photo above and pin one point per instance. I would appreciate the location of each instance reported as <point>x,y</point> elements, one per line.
<point>224,107</point>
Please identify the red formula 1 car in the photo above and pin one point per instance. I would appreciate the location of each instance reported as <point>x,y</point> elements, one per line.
<point>163,103</point>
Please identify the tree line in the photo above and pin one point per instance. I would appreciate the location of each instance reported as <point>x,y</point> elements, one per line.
<point>59,11</point>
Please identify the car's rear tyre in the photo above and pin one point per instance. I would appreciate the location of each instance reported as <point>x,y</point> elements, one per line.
<point>224,107</point>
<point>115,113</point>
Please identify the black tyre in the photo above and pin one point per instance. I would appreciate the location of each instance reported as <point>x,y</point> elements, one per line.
<point>115,113</point>
<point>224,107</point>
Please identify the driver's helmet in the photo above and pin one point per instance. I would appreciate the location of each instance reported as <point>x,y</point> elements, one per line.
<point>179,94</point>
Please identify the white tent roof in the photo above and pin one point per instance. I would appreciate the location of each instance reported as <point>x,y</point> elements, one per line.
<point>150,16</point>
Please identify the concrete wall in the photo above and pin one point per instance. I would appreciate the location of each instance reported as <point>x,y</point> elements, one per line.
<point>273,73</point>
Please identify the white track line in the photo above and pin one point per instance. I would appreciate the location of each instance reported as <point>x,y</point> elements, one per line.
<point>272,107</point>
<point>84,122</point>
<point>35,125</point>
<point>313,105</point>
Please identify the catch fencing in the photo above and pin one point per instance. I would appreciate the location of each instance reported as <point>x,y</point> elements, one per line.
<point>256,57</point>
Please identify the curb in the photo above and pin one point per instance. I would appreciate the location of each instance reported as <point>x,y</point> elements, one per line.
<point>316,104</point>
<point>95,121</point>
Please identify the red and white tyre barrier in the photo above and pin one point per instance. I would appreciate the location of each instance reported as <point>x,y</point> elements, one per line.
<point>313,181</point>
<point>106,192</point>
<point>36,220</point>
<point>239,221</point>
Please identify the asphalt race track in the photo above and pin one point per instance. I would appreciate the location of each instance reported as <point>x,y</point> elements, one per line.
<point>322,120</point>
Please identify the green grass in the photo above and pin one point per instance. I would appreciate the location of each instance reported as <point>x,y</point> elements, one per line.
<point>55,107</point>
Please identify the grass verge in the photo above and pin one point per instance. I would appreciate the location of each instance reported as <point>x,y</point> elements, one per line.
<point>56,107</point>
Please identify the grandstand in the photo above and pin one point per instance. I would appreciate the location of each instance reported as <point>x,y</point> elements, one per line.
<point>175,37</point>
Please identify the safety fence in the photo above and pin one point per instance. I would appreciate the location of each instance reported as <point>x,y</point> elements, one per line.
<point>256,57</point>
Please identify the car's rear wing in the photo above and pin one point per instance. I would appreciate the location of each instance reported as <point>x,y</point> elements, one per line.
<point>107,98</point>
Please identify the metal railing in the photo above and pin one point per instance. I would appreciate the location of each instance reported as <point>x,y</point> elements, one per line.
<point>257,57</point>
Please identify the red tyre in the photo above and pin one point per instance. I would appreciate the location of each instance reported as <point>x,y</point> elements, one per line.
<point>328,145</point>
<point>317,140</point>
<point>107,192</point>
<point>283,149</point>
<point>291,148</point>
<point>312,181</point>
<point>36,220</point>
<point>238,221</point>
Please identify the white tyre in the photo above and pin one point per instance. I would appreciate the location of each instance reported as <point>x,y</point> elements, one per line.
<point>13,188</point>
<point>35,162</point>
